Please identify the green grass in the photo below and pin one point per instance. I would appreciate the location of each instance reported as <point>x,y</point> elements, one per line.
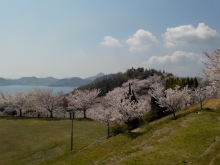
<point>31,141</point>
<point>191,138</point>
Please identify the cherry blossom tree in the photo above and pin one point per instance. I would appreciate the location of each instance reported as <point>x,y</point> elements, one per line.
<point>203,94</point>
<point>105,110</point>
<point>156,90</point>
<point>212,73</point>
<point>212,70</point>
<point>142,86</point>
<point>128,108</point>
<point>131,110</point>
<point>172,99</point>
<point>20,102</point>
<point>117,105</point>
<point>3,102</point>
<point>82,100</point>
<point>45,100</point>
<point>188,98</point>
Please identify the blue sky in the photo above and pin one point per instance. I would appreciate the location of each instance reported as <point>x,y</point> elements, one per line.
<point>82,38</point>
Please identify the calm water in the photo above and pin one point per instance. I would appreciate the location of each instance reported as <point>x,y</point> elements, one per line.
<point>24,88</point>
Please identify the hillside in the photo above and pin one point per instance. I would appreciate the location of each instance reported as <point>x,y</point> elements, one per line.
<point>71,82</point>
<point>192,138</point>
<point>4,82</point>
<point>35,81</point>
<point>92,78</point>
<point>50,81</point>
<point>109,82</point>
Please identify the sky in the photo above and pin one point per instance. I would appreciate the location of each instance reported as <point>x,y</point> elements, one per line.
<point>80,38</point>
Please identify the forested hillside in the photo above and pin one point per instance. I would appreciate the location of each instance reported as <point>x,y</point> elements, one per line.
<point>109,82</point>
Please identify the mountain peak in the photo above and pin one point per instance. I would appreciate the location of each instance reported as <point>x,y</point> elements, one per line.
<point>92,78</point>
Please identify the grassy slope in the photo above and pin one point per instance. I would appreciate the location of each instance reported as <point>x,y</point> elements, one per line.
<point>192,138</point>
<point>31,141</point>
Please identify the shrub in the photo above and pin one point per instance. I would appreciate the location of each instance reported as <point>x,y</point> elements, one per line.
<point>2,109</point>
<point>132,124</point>
<point>147,117</point>
<point>118,128</point>
<point>10,113</point>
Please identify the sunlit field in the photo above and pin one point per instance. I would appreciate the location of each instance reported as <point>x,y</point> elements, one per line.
<point>193,137</point>
<point>31,141</point>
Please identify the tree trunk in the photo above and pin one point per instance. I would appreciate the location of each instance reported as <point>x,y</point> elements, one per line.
<point>84,114</point>
<point>51,114</point>
<point>174,115</point>
<point>20,112</point>
<point>201,106</point>
<point>108,130</point>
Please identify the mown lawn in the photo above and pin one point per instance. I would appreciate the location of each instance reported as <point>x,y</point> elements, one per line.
<point>192,138</point>
<point>31,141</point>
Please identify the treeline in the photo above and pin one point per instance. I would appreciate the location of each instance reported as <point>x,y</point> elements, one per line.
<point>172,82</point>
<point>109,82</point>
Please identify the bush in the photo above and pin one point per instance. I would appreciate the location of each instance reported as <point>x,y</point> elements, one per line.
<point>132,124</point>
<point>147,117</point>
<point>118,128</point>
<point>2,109</point>
<point>208,109</point>
<point>157,111</point>
<point>10,113</point>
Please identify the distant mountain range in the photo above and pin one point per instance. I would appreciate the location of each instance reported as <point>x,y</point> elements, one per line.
<point>50,81</point>
<point>96,76</point>
<point>70,82</point>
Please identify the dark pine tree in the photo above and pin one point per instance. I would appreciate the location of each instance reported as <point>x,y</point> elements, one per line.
<point>195,82</point>
<point>156,111</point>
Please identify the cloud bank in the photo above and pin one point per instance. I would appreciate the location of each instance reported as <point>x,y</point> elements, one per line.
<point>180,63</point>
<point>141,41</point>
<point>188,35</point>
<point>111,42</point>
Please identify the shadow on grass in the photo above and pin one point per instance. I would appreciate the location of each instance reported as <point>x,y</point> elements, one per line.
<point>210,110</point>
<point>31,118</point>
<point>196,110</point>
<point>217,109</point>
<point>42,118</point>
<point>186,113</point>
<point>83,119</point>
<point>134,135</point>
<point>179,115</point>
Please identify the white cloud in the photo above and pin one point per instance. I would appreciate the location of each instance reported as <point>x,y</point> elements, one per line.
<point>110,41</point>
<point>141,41</point>
<point>187,35</point>
<point>179,63</point>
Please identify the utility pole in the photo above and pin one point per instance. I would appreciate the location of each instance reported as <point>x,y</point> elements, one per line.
<point>71,118</point>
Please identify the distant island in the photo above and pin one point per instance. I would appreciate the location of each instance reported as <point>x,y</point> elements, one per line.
<point>50,81</point>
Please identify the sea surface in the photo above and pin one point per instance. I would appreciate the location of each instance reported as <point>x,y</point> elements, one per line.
<point>26,88</point>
